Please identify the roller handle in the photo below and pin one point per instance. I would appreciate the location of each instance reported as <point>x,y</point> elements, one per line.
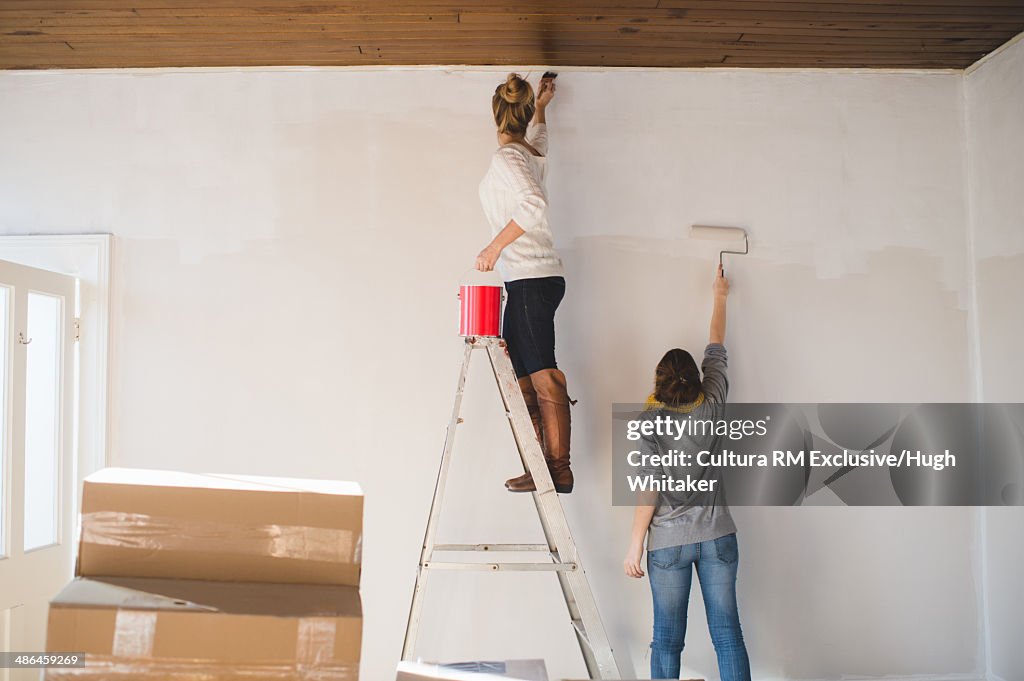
<point>746,249</point>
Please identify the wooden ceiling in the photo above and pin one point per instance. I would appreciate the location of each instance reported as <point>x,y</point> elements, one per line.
<point>40,34</point>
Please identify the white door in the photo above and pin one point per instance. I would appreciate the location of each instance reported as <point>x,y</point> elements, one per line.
<point>37,373</point>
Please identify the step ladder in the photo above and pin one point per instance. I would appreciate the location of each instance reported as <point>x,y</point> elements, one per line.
<point>559,552</point>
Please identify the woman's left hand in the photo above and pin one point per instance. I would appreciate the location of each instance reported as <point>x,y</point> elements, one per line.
<point>488,257</point>
<point>631,565</point>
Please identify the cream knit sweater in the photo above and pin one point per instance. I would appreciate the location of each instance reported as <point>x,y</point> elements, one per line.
<point>514,189</point>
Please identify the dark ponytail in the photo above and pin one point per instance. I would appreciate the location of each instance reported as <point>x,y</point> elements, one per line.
<point>677,379</point>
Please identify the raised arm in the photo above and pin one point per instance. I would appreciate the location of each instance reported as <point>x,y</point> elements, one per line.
<point>537,135</point>
<point>721,292</point>
<point>544,95</point>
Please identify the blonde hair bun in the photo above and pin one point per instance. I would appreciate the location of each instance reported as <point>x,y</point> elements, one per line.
<point>515,90</point>
<point>513,105</point>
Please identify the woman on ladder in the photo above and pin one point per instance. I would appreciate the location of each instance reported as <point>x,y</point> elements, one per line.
<point>514,200</point>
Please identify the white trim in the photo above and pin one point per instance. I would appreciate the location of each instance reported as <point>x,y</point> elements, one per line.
<point>534,69</point>
<point>975,377</point>
<point>994,53</point>
<point>974,356</point>
<point>975,366</point>
<point>986,611</point>
<point>87,257</point>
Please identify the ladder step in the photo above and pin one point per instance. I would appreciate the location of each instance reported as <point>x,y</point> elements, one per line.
<point>523,548</point>
<point>500,567</point>
<point>581,632</point>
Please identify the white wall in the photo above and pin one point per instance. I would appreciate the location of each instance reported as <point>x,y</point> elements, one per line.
<point>289,243</point>
<point>995,118</point>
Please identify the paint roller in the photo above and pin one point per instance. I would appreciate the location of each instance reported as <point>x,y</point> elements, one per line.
<point>709,233</point>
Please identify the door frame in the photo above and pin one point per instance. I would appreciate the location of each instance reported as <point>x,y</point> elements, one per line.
<point>87,257</point>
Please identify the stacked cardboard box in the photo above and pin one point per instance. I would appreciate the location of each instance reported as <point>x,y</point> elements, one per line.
<point>183,576</point>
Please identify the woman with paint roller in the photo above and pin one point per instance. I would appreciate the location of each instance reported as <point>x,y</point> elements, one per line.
<point>514,199</point>
<point>694,530</point>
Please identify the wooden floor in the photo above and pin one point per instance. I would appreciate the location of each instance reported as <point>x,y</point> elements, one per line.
<point>40,34</point>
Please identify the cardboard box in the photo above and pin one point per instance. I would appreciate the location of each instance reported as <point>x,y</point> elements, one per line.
<point>144,523</point>
<point>131,628</point>
<point>506,670</point>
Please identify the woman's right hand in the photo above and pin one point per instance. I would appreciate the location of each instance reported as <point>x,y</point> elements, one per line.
<point>721,285</point>
<point>631,565</point>
<point>487,258</point>
<point>545,92</point>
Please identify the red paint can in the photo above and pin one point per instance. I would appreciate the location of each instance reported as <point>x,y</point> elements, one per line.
<point>480,310</point>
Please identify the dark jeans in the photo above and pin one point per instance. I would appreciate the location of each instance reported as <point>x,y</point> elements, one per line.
<point>529,323</point>
<point>670,571</point>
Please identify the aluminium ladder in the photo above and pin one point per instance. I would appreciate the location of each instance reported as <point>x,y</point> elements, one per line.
<point>560,549</point>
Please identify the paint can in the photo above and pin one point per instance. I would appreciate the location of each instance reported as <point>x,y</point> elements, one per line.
<point>480,309</point>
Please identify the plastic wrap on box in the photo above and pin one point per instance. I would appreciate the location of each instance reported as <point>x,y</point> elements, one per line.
<point>118,669</point>
<point>144,523</point>
<point>191,630</point>
<point>168,533</point>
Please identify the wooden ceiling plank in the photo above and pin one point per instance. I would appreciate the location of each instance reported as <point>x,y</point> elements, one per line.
<point>684,15</point>
<point>148,12</point>
<point>569,6</point>
<point>871,40</point>
<point>128,28</point>
<point>907,5</point>
<point>853,41</point>
<point>668,10</point>
<point>355,20</point>
<point>148,60</point>
<point>477,38</point>
<point>272,48</point>
<point>500,20</point>
<point>362,22</point>
<point>698,15</point>
<point>811,24</point>
<point>866,28</point>
<point>849,62</point>
<point>994,36</point>
<point>368,6</point>
<point>983,7</point>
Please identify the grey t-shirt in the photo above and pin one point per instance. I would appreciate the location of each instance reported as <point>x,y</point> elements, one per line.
<point>689,518</point>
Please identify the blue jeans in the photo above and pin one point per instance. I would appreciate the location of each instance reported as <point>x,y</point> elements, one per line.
<point>670,573</point>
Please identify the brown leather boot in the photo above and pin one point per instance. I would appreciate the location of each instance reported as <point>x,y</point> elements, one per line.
<point>553,399</point>
<point>524,483</point>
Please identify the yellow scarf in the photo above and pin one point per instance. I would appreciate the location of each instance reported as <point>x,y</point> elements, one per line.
<point>653,403</point>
